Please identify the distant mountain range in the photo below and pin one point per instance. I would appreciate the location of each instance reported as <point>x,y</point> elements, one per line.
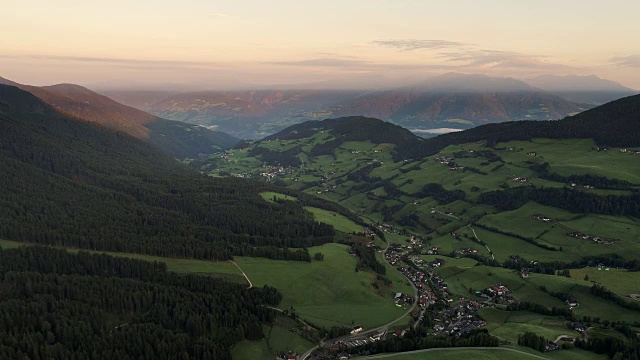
<point>582,89</point>
<point>461,101</point>
<point>175,138</point>
<point>614,124</point>
<point>458,101</point>
<point>245,114</point>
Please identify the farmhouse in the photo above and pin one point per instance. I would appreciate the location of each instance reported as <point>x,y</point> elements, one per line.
<point>579,327</point>
<point>438,262</point>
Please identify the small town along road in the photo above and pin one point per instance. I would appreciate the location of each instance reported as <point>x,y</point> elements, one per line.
<point>416,299</point>
<point>383,356</point>
<point>243,274</point>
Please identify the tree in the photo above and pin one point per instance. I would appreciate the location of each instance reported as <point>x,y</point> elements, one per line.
<point>586,277</point>
<point>318,256</point>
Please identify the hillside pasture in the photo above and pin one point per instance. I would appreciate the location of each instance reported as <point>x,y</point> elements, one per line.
<point>339,222</point>
<point>326,293</point>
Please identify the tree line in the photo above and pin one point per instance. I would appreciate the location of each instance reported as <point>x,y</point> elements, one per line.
<point>84,306</point>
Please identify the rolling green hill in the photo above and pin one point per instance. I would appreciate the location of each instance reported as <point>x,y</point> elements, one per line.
<point>493,200</point>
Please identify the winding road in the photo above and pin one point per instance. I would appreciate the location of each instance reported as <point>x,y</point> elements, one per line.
<point>383,356</point>
<point>378,329</point>
<point>243,274</point>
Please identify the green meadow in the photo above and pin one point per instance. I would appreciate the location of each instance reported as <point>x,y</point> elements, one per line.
<point>340,222</point>
<point>224,269</point>
<point>491,354</point>
<point>328,292</point>
<point>270,195</point>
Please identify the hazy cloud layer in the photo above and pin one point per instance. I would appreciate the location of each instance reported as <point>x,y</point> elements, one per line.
<point>466,56</point>
<point>416,44</point>
<point>502,59</point>
<point>136,63</point>
<point>350,63</point>
<point>629,61</point>
<point>324,62</point>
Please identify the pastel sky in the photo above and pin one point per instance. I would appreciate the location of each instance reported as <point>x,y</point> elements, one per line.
<point>216,44</point>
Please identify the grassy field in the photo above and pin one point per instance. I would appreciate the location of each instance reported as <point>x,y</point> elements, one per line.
<point>326,293</point>
<point>269,195</point>
<point>509,325</point>
<point>504,246</point>
<point>224,269</point>
<point>278,338</point>
<point>620,281</point>
<point>461,279</point>
<point>495,354</point>
<point>569,157</point>
<point>589,305</point>
<point>340,222</point>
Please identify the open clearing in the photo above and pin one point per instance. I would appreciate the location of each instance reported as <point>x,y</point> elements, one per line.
<point>325,293</point>
<point>223,269</point>
<point>340,222</point>
<point>278,339</point>
<point>270,195</point>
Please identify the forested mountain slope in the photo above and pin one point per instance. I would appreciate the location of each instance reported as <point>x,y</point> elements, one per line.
<point>67,182</point>
<point>56,305</point>
<point>614,124</point>
<point>173,137</point>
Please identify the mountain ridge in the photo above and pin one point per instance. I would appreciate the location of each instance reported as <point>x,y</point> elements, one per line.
<point>177,139</point>
<point>92,188</point>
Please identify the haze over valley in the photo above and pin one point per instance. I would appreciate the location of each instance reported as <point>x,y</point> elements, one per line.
<point>333,180</point>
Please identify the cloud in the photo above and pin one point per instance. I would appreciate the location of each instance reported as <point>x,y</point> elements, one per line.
<point>124,62</point>
<point>416,44</point>
<point>325,62</point>
<point>501,59</point>
<point>628,61</point>
<point>465,56</point>
<point>355,64</point>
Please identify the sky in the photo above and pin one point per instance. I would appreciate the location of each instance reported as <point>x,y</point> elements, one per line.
<point>244,43</point>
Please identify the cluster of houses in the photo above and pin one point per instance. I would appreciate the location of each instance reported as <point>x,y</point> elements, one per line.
<point>630,151</point>
<point>342,345</point>
<point>597,239</point>
<point>287,356</point>
<point>586,186</point>
<point>497,291</point>
<point>419,279</point>
<point>541,217</point>
<point>551,346</point>
<point>445,160</point>
<point>459,319</point>
<point>466,251</point>
<point>402,299</point>
<point>272,171</point>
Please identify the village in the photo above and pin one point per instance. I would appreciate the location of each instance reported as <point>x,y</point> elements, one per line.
<point>597,239</point>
